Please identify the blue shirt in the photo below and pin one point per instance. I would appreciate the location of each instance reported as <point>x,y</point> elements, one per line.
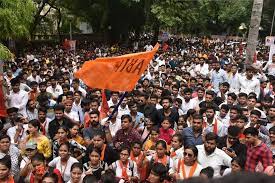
<point>137,121</point>
<point>218,78</point>
<point>189,137</point>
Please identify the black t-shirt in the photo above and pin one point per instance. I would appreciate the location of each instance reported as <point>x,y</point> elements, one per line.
<point>54,125</point>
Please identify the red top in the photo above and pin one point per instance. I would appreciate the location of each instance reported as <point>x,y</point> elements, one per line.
<point>166,134</point>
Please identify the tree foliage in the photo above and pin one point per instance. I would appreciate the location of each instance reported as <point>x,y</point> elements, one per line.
<point>202,15</point>
<point>15,18</point>
<point>5,53</point>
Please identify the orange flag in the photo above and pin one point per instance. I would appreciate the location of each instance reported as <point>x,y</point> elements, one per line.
<point>104,106</point>
<point>115,73</point>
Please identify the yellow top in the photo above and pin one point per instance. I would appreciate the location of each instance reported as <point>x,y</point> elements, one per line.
<point>149,145</point>
<point>79,140</point>
<point>43,145</point>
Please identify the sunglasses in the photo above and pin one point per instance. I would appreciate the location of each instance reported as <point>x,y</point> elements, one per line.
<point>188,154</point>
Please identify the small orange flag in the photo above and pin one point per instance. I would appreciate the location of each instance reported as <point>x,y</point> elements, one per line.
<point>104,106</point>
<point>115,73</point>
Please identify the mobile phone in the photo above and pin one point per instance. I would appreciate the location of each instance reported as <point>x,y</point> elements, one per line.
<point>262,122</point>
<point>230,150</point>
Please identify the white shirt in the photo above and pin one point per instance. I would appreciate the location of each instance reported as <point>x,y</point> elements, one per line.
<point>83,92</point>
<point>24,162</point>
<point>118,170</point>
<point>78,109</point>
<point>12,131</point>
<point>148,47</point>
<point>179,153</point>
<point>55,91</point>
<point>121,111</point>
<point>18,100</point>
<point>114,127</point>
<point>222,129</point>
<point>111,103</point>
<point>197,101</point>
<point>188,105</point>
<point>248,86</point>
<point>158,106</point>
<point>270,67</point>
<point>25,87</point>
<point>64,170</point>
<point>202,69</point>
<point>73,115</point>
<point>225,120</point>
<point>37,79</point>
<point>233,80</point>
<point>217,159</point>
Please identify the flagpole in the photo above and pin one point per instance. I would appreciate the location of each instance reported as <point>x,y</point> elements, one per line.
<point>118,104</point>
<point>271,29</point>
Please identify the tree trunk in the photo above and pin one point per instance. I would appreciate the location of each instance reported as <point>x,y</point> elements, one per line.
<point>253,30</point>
<point>37,18</point>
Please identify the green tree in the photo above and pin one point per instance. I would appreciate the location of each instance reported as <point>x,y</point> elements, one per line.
<point>15,18</point>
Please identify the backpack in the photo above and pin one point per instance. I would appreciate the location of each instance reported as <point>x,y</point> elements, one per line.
<point>131,167</point>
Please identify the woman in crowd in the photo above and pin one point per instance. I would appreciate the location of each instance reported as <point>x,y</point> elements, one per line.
<point>146,131</point>
<point>5,170</point>
<point>158,174</point>
<point>43,143</point>
<point>176,152</point>
<point>40,168</point>
<point>95,166</point>
<point>107,153</point>
<point>50,178</point>
<point>7,149</point>
<point>237,165</point>
<point>63,136</point>
<point>149,145</point>
<point>76,173</point>
<point>160,156</point>
<point>138,156</point>
<point>64,161</point>
<point>125,168</point>
<point>74,135</point>
<point>188,166</point>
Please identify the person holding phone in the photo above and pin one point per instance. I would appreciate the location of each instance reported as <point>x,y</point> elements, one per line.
<point>19,131</point>
<point>230,143</point>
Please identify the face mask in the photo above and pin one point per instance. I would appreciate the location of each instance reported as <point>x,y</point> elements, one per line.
<point>39,170</point>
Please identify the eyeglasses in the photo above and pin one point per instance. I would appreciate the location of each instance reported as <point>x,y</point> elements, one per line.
<point>122,154</point>
<point>188,154</point>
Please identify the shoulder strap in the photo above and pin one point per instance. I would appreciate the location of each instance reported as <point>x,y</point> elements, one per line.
<point>168,163</point>
<point>131,167</point>
<point>115,167</point>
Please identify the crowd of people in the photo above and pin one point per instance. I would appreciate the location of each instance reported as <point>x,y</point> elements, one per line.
<point>197,111</point>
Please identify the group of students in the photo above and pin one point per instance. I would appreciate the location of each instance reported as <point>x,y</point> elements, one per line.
<point>194,113</point>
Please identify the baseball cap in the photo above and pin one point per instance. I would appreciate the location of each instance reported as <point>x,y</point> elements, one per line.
<point>31,145</point>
